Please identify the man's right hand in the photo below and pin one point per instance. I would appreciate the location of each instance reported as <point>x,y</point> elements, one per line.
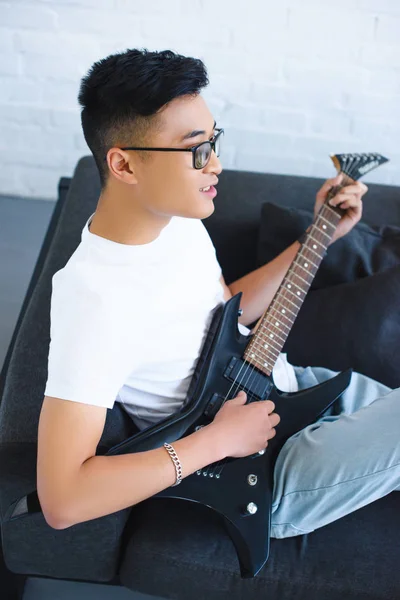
<point>244,429</point>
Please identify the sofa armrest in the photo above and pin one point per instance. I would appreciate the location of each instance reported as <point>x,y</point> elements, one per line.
<point>87,551</point>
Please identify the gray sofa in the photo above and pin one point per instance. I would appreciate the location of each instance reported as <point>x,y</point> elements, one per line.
<point>164,547</point>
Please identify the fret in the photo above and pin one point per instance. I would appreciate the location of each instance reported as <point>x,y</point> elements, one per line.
<point>318,241</point>
<point>263,334</point>
<point>288,287</point>
<point>293,283</point>
<point>308,245</point>
<point>266,362</point>
<point>271,336</point>
<point>320,215</point>
<point>306,262</point>
<point>313,250</point>
<point>326,234</point>
<point>255,345</point>
<point>272,343</point>
<point>305,281</point>
<point>266,342</point>
<point>300,287</point>
<point>262,364</point>
<point>332,214</point>
<point>284,319</point>
<point>266,366</point>
<point>285,308</point>
<point>266,357</point>
<point>291,302</point>
<point>310,254</point>
<point>280,323</point>
<point>255,354</point>
<point>269,351</point>
<point>289,321</point>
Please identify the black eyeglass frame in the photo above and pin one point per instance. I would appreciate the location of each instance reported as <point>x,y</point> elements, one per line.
<point>193,149</point>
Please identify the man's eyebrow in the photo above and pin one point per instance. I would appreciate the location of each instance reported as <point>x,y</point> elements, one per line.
<point>195,133</point>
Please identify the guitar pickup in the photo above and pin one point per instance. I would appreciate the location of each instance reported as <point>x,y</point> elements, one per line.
<point>248,378</point>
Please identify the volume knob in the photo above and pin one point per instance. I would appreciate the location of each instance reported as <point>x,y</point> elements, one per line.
<point>251,508</point>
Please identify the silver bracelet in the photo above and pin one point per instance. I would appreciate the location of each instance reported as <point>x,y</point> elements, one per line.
<point>177,463</point>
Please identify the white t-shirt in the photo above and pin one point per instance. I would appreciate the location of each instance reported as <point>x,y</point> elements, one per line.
<point>127,322</point>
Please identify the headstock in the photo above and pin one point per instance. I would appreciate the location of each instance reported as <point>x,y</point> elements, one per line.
<point>357,165</point>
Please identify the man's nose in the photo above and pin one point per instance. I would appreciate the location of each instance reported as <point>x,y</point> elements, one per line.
<point>214,165</point>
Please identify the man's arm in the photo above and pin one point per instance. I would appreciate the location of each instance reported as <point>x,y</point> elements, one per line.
<point>75,485</point>
<point>259,287</point>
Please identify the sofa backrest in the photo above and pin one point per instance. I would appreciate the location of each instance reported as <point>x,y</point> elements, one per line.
<point>234,224</point>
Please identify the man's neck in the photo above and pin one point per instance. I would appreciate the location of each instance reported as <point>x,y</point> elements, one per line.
<point>126,223</point>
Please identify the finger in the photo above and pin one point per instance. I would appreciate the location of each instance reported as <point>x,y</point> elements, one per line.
<point>270,406</point>
<point>363,189</point>
<point>271,434</point>
<point>336,180</point>
<point>240,398</point>
<point>350,199</point>
<point>274,419</point>
<point>358,188</point>
<point>349,205</point>
<point>329,183</point>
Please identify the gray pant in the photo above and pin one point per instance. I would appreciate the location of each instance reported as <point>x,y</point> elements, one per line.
<point>347,459</point>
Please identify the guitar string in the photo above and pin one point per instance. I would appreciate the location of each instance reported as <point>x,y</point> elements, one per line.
<point>348,174</point>
<point>249,366</point>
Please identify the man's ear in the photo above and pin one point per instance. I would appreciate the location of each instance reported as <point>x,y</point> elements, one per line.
<point>121,165</point>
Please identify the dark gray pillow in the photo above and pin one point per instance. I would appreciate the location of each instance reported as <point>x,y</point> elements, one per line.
<point>351,315</point>
<point>363,251</point>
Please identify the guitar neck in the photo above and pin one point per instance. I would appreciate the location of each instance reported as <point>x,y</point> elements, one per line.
<point>268,340</point>
<point>266,343</point>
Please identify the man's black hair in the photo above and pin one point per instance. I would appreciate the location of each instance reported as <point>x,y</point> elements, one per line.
<point>121,94</point>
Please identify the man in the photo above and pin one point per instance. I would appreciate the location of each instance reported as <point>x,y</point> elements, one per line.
<point>130,310</point>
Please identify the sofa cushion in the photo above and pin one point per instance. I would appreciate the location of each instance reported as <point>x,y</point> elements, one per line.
<point>350,317</point>
<point>180,550</point>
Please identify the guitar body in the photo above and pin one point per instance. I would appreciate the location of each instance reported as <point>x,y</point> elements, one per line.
<point>240,490</point>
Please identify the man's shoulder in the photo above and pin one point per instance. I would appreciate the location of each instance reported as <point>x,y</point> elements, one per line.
<point>82,290</point>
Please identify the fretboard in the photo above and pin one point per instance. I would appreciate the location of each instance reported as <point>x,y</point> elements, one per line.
<point>269,338</point>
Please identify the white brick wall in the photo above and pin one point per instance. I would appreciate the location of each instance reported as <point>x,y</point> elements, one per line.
<point>290,82</point>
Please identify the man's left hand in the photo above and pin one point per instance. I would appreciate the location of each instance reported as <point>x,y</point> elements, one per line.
<point>349,199</point>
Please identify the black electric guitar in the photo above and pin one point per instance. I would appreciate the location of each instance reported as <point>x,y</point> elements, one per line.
<point>240,490</point>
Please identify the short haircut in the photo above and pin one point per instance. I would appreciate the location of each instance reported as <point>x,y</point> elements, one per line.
<point>121,94</point>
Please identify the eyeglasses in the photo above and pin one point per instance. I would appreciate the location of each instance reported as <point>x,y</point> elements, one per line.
<point>201,153</point>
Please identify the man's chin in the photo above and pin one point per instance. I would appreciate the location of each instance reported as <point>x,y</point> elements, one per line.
<point>199,211</point>
<point>206,211</point>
